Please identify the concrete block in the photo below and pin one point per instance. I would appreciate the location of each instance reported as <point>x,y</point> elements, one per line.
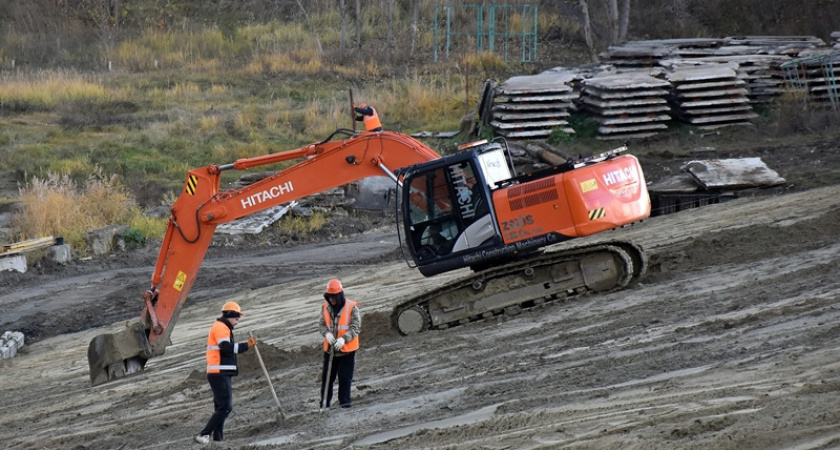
<point>13,262</point>
<point>17,338</point>
<point>101,241</point>
<point>59,253</point>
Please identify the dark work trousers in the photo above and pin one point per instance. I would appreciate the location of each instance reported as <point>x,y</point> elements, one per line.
<point>342,367</point>
<point>222,401</point>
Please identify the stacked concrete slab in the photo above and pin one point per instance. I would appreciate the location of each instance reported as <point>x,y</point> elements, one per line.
<point>709,95</point>
<point>758,57</point>
<point>534,106</point>
<point>762,75</point>
<point>10,342</point>
<point>626,105</point>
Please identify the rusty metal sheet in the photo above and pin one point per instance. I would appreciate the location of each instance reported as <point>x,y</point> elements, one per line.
<point>732,173</point>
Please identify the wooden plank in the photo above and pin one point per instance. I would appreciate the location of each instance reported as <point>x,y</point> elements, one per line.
<point>27,245</point>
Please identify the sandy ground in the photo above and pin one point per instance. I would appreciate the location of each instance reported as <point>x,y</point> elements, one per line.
<point>731,342</point>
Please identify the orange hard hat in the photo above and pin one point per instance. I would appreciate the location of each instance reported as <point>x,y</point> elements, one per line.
<point>232,306</point>
<point>334,287</point>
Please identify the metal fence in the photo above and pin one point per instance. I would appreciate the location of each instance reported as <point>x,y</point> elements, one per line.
<point>508,30</point>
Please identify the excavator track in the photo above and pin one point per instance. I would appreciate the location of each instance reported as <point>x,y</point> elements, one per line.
<point>509,289</point>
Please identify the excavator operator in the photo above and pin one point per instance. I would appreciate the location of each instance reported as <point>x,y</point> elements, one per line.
<point>369,116</point>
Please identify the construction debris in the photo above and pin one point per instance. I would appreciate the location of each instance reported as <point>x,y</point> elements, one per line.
<point>10,342</point>
<point>706,182</point>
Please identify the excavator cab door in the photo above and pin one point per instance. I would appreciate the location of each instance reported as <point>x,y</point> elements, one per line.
<point>448,208</point>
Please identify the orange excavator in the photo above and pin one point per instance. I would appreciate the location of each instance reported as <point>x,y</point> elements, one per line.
<point>468,209</point>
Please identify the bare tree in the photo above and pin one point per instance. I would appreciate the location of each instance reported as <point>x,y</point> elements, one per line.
<point>389,40</point>
<point>343,38</point>
<point>415,17</point>
<point>358,24</point>
<point>612,15</point>
<point>318,47</point>
<point>619,19</point>
<point>587,31</point>
<point>624,21</point>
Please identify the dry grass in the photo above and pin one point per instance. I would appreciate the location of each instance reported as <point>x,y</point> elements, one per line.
<point>55,206</point>
<point>301,226</point>
<point>52,87</point>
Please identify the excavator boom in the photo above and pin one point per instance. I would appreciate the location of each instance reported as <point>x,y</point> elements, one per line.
<point>201,207</point>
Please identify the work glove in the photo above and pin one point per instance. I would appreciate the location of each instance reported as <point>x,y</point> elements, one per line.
<point>252,341</point>
<point>338,344</point>
<point>330,338</point>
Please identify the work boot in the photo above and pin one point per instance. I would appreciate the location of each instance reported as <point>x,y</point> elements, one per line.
<point>203,439</point>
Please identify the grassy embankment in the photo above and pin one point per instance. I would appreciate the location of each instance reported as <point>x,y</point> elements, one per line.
<point>178,100</point>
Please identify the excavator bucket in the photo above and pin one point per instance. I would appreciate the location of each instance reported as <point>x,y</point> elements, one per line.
<point>116,355</point>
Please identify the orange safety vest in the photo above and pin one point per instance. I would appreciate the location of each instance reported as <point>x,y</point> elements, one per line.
<point>219,333</point>
<point>372,121</point>
<point>341,327</point>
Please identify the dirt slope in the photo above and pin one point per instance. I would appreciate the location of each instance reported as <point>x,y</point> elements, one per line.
<point>731,342</point>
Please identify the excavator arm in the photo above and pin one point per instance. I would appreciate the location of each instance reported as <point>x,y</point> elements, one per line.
<point>201,207</point>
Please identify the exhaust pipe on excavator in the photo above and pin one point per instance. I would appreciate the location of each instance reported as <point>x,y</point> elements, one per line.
<point>117,355</point>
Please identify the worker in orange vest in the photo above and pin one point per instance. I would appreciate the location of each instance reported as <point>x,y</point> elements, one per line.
<point>340,323</point>
<point>221,367</point>
<point>369,116</point>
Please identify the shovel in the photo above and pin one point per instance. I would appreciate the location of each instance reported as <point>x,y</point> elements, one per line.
<point>326,380</point>
<point>281,418</point>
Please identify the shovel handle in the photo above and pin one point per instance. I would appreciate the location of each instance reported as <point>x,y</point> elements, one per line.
<point>267,377</point>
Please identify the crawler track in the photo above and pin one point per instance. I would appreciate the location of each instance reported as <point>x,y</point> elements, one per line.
<point>509,289</point>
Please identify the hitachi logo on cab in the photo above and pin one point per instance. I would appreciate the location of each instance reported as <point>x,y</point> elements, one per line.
<point>268,194</point>
<point>621,175</point>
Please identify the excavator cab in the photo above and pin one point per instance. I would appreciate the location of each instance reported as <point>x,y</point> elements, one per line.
<point>449,207</point>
